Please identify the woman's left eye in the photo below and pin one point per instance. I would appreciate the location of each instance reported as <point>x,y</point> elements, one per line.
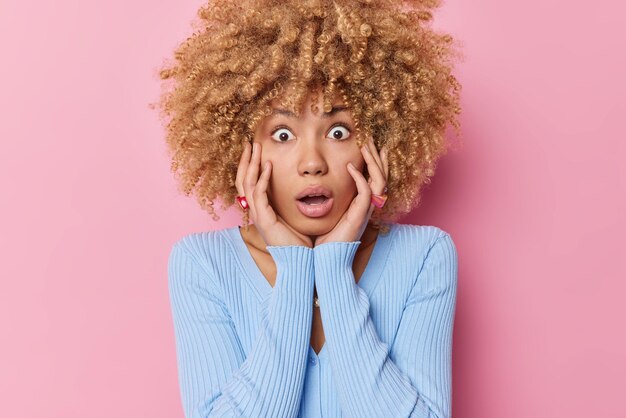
<point>339,133</point>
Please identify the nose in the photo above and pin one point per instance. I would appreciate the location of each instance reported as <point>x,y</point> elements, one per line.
<point>311,158</point>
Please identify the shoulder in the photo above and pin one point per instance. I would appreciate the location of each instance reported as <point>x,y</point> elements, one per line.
<point>200,249</point>
<point>425,244</point>
<point>204,243</point>
<point>418,237</point>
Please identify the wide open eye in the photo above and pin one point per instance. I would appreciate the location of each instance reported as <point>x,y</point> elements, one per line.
<point>282,135</point>
<point>339,133</point>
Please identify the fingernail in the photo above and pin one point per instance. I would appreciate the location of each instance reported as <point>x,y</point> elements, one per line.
<point>351,166</point>
<point>254,147</point>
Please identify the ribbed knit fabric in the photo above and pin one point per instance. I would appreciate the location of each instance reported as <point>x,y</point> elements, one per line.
<point>243,346</point>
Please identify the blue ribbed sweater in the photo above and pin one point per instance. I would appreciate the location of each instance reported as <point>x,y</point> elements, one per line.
<point>243,346</point>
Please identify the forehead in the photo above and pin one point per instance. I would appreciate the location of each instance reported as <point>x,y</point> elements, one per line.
<point>280,105</point>
<point>285,112</point>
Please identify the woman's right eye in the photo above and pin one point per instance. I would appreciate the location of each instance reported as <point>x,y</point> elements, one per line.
<point>282,135</point>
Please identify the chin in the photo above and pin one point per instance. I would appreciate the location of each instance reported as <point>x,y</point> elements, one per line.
<point>315,226</point>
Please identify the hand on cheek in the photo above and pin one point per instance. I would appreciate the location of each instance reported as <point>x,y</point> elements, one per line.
<point>252,182</point>
<point>354,221</point>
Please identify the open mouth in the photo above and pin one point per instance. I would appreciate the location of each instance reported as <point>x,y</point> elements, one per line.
<point>313,200</point>
<point>315,206</point>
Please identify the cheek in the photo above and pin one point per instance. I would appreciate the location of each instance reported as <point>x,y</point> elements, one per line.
<point>343,178</point>
<point>361,164</point>
<point>358,161</point>
<point>278,183</point>
<point>355,156</point>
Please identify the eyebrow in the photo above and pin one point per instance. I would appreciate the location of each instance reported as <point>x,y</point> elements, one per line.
<point>334,110</point>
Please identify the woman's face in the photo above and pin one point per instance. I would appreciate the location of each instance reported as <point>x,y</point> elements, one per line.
<point>310,151</point>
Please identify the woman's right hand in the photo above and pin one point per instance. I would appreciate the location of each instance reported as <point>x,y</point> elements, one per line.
<point>273,228</point>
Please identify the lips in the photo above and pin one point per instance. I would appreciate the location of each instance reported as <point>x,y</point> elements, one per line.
<point>314,201</point>
<point>314,190</point>
<point>315,211</point>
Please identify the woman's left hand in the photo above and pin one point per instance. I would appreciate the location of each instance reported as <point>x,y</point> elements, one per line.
<point>352,224</point>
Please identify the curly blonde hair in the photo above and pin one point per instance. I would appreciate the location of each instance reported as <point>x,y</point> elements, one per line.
<point>380,57</point>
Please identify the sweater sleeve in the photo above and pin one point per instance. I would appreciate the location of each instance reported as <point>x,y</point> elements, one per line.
<point>216,380</point>
<point>418,384</point>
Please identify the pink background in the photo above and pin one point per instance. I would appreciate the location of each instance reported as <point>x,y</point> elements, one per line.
<point>534,200</point>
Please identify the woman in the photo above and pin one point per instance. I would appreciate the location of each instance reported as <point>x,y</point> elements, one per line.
<point>323,306</point>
